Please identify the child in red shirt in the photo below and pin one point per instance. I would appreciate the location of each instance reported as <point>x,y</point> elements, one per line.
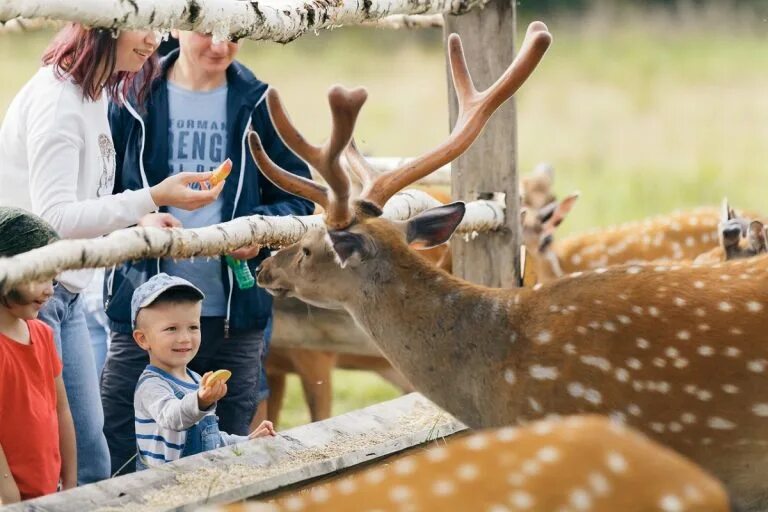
<point>37,437</point>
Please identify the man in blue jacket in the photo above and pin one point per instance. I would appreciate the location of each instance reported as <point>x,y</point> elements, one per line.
<point>198,114</point>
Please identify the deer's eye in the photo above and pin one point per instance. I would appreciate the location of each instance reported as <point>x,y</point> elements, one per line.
<point>306,251</point>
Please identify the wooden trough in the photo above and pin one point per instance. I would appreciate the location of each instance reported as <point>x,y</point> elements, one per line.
<point>249,469</point>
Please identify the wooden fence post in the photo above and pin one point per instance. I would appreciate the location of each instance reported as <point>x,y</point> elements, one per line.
<point>490,165</point>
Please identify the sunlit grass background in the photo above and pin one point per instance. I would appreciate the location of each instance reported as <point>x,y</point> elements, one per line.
<point>642,111</point>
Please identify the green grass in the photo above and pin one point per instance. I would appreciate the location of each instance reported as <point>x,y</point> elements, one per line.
<point>641,111</point>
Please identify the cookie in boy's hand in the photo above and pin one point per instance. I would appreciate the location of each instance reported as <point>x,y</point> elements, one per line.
<point>222,375</point>
<point>221,172</point>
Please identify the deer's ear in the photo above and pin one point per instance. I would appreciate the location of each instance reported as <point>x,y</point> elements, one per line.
<point>757,237</point>
<point>434,226</point>
<point>350,248</point>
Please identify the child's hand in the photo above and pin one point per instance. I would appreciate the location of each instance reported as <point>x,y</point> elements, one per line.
<point>264,429</point>
<point>209,395</point>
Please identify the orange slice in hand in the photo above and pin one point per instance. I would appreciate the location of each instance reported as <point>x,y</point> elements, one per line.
<point>221,172</point>
<point>222,375</point>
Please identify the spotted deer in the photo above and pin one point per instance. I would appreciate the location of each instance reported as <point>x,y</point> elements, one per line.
<point>575,463</point>
<point>740,237</point>
<point>680,352</point>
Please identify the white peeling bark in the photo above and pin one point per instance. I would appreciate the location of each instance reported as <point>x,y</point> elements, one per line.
<point>140,243</point>
<point>401,21</point>
<point>275,20</point>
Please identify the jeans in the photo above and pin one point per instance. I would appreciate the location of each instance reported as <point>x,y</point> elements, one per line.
<point>240,353</point>
<point>263,382</point>
<point>64,314</point>
<point>99,339</point>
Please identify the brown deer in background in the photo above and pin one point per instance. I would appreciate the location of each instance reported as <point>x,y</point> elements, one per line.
<point>680,352</point>
<point>575,463</point>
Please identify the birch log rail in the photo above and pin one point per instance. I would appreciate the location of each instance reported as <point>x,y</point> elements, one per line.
<point>275,20</point>
<point>139,243</point>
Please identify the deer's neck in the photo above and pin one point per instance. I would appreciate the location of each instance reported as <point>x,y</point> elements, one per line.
<point>443,334</point>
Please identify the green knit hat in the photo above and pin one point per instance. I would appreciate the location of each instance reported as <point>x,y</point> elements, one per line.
<point>21,231</point>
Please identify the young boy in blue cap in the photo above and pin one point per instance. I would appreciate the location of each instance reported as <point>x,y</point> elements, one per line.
<point>175,409</point>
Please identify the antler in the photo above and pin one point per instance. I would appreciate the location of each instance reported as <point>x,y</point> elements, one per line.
<point>475,108</point>
<point>345,106</point>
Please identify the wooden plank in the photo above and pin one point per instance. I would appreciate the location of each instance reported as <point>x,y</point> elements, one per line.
<point>489,166</point>
<point>249,469</point>
<point>299,325</point>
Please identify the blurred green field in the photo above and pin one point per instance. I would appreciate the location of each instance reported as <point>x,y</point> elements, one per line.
<point>641,111</point>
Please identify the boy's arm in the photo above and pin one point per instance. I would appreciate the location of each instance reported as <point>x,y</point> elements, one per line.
<point>159,401</point>
<point>66,438</point>
<point>9,492</point>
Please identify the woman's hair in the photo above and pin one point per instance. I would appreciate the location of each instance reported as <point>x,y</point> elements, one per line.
<point>88,56</point>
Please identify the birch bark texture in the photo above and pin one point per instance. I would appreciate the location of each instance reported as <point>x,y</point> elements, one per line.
<point>489,167</point>
<point>275,20</point>
<point>140,243</point>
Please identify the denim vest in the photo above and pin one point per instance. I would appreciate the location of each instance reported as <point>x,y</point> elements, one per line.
<point>201,437</point>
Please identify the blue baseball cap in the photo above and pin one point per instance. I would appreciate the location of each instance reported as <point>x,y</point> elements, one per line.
<point>148,292</point>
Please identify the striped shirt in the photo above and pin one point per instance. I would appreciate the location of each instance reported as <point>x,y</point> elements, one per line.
<point>165,407</point>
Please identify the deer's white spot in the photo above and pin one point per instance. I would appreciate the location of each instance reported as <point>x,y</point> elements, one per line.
<point>760,410</point>
<point>730,389</point>
<point>704,395</point>
<point>544,337</point>
<point>718,423</point>
<point>675,427</point>
<point>700,312</point>
<point>537,287</point>
<point>680,362</point>
<point>736,331</point>
<point>692,493</point>
<point>576,259</point>
<point>570,349</point>
<point>757,365</point>
<point>580,499</point>
<point>477,442</point>
<point>597,362</point>
<point>643,343</point>
<point>688,418</point>
<point>624,319</point>
<point>704,327</point>
<point>400,493</point>
<point>705,350</point>
<point>542,428</point>
<point>506,434</point>
<point>593,396</point>
<point>443,488</point>
<point>679,301</point>
<point>754,307</point>
<point>637,310</point>
<point>516,479</point>
<point>467,472</point>
<point>634,410</point>
<point>581,329</point>
<point>599,484</point>
<point>530,467</point>
<point>437,454</point>
<point>536,406</point>
<point>347,486</point>
<point>671,503</point>
<point>725,307</point>
<point>732,352</point>
<point>375,476</point>
<point>634,270</point>
<point>659,362</point>
<point>293,503</point>
<point>609,326</point>
<point>622,375</point>
<point>653,311</point>
<point>548,454</point>
<point>404,467</point>
<point>684,335</point>
<point>616,462</point>
<point>672,352</point>
<point>539,372</point>
<point>634,363</point>
<point>521,499</point>
<point>658,427</point>
<point>575,389</point>
<point>698,284</point>
<point>509,376</point>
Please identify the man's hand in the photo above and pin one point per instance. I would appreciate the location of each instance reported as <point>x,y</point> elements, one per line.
<point>264,429</point>
<point>159,220</point>
<point>246,253</point>
<point>209,395</point>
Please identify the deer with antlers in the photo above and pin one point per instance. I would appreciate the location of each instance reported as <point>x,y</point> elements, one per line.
<point>575,463</point>
<point>679,352</point>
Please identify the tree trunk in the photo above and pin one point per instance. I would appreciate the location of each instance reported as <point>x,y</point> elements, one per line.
<point>489,166</point>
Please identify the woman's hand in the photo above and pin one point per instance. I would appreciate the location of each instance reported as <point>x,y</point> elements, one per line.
<point>159,220</point>
<point>174,191</point>
<point>247,252</point>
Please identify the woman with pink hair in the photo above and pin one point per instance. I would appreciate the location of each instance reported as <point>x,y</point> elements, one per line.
<point>59,162</point>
